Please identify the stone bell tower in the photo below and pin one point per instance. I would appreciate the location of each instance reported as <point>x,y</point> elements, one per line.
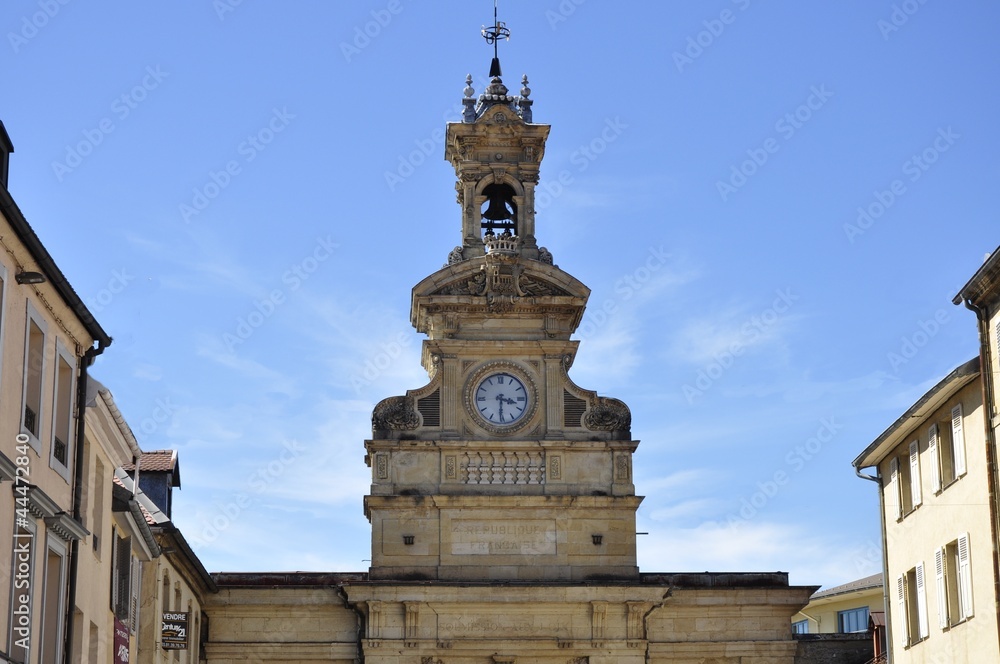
<point>502,503</point>
<point>501,467</point>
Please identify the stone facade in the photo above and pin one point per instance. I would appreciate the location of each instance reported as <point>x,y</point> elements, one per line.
<point>502,500</point>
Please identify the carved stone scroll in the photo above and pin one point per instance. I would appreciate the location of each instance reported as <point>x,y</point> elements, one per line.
<point>394,413</point>
<point>607,414</point>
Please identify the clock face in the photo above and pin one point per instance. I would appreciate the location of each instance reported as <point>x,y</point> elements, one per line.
<point>501,399</point>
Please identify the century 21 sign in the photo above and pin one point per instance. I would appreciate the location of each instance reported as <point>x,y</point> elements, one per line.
<point>173,635</point>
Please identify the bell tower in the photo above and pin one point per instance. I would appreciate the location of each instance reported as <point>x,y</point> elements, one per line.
<point>500,468</point>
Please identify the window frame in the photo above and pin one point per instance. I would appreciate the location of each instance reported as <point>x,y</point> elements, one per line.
<point>800,623</point>
<point>57,547</point>
<point>954,583</point>
<point>3,318</point>
<point>911,596</point>
<point>33,316</point>
<point>31,527</point>
<point>63,355</point>
<point>847,613</point>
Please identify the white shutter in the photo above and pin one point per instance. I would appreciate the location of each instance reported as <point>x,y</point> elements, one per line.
<point>134,590</point>
<point>958,440</point>
<point>922,603</point>
<point>894,484</point>
<point>964,576</point>
<point>942,588</point>
<point>935,459</point>
<point>901,621</point>
<point>915,494</point>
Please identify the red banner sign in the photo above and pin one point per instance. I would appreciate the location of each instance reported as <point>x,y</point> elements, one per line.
<point>121,642</point>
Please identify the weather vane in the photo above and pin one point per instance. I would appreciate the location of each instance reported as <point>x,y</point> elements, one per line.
<point>493,34</point>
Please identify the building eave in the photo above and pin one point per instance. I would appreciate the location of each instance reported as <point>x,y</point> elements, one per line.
<point>924,407</point>
<point>985,280</point>
<point>48,266</point>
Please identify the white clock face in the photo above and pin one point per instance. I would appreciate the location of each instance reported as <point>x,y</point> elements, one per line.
<point>501,399</point>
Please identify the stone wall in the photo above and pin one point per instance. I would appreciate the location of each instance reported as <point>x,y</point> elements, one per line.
<point>834,649</point>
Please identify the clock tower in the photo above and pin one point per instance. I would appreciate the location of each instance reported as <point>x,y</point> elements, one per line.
<point>502,504</point>
<point>501,467</point>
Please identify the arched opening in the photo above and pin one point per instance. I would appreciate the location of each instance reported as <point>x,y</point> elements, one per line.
<point>499,210</point>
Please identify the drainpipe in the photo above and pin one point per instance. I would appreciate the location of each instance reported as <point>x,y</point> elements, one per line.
<point>986,373</point>
<point>339,589</point>
<point>885,558</point>
<point>74,552</point>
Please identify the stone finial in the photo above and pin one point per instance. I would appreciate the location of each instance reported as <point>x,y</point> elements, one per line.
<point>469,102</point>
<point>523,103</point>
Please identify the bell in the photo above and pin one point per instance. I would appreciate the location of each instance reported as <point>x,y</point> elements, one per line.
<point>498,210</point>
<point>495,68</point>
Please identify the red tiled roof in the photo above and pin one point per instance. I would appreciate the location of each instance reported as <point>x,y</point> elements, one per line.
<point>163,461</point>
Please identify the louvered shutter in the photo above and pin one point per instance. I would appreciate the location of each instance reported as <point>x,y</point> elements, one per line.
<point>901,622</point>
<point>134,590</point>
<point>894,486</point>
<point>964,576</point>
<point>123,575</point>
<point>922,603</point>
<point>114,569</point>
<point>935,459</point>
<point>942,588</point>
<point>958,440</point>
<point>916,495</point>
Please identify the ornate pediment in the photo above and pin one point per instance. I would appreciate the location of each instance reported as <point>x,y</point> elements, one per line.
<point>501,278</point>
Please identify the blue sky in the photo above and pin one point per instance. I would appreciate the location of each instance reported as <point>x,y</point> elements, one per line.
<point>773,204</point>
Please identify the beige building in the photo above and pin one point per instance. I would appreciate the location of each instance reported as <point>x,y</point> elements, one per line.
<point>94,569</point>
<point>48,339</point>
<point>843,609</point>
<point>934,476</point>
<point>502,500</point>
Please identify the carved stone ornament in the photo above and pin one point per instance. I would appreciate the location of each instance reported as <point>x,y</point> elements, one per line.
<point>502,281</point>
<point>607,414</point>
<point>544,255</point>
<point>455,256</point>
<point>394,413</point>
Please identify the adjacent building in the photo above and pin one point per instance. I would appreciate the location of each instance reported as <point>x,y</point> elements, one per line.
<point>91,568</point>
<point>48,339</point>
<point>843,609</point>
<point>937,476</point>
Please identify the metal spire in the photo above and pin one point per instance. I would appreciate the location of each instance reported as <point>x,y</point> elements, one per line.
<point>493,34</point>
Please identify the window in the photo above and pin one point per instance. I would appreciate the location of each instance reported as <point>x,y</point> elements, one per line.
<point>946,444</point>
<point>954,582</point>
<point>800,627</point>
<point>34,366</point>
<point>22,573</point>
<point>97,516</point>
<point>52,604</point>
<point>121,576</point>
<point>3,292</point>
<point>904,478</point>
<point>62,423</point>
<point>853,620</point>
<point>911,596</point>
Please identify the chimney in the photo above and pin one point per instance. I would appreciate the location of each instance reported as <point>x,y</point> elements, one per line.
<point>6,147</point>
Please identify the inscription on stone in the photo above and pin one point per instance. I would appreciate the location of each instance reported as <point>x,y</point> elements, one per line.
<point>510,626</point>
<point>503,537</point>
